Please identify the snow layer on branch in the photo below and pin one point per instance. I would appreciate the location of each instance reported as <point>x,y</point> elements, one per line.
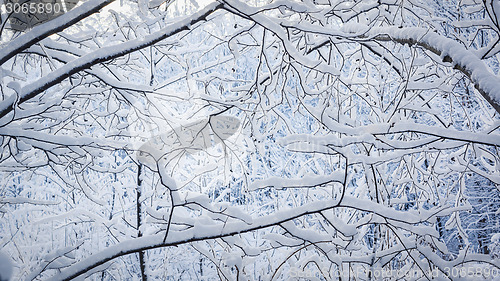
<point>41,31</point>
<point>462,58</point>
<point>103,54</point>
<point>272,25</point>
<point>204,232</point>
<point>25,200</point>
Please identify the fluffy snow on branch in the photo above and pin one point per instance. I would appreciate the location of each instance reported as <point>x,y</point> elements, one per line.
<point>204,232</point>
<point>40,32</point>
<point>104,54</point>
<point>306,181</point>
<point>463,59</point>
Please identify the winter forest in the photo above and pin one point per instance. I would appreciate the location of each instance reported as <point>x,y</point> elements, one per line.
<point>251,140</point>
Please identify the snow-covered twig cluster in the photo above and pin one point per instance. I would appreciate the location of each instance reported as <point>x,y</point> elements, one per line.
<point>240,140</point>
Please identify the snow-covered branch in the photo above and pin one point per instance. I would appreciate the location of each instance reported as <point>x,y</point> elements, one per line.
<point>486,82</point>
<point>250,140</point>
<point>208,232</point>
<point>104,54</point>
<point>42,31</point>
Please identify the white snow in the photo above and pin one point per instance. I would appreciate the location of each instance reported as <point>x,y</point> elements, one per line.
<point>203,231</point>
<point>460,56</point>
<point>306,181</point>
<point>39,32</point>
<point>104,53</point>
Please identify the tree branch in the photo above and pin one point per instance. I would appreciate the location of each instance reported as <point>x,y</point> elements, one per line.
<point>42,31</point>
<point>104,54</point>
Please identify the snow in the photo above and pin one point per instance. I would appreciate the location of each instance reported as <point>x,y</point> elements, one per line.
<point>465,59</point>
<point>102,54</point>
<point>50,141</point>
<point>275,27</point>
<point>203,231</point>
<point>6,267</point>
<point>268,205</point>
<point>24,200</point>
<point>462,58</point>
<point>197,135</point>
<point>495,238</point>
<point>41,31</point>
<point>306,181</point>
<point>494,246</point>
<point>62,55</point>
<point>280,240</point>
<point>59,258</point>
